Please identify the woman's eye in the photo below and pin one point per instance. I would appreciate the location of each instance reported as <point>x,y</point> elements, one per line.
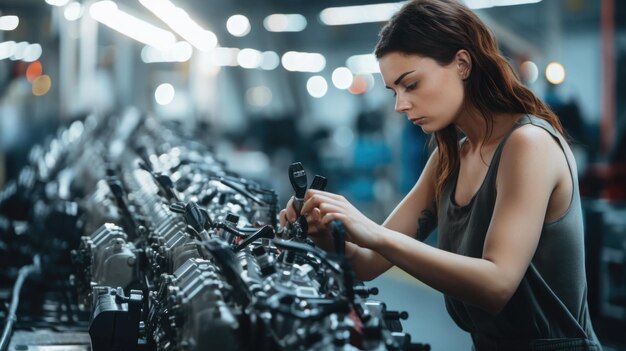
<point>411,86</point>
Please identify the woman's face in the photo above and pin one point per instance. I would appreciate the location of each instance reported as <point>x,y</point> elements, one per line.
<point>429,94</point>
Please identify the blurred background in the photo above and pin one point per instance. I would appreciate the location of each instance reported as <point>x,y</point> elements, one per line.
<point>270,82</point>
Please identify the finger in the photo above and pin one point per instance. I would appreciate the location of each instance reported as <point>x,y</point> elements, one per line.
<point>290,213</point>
<point>314,220</point>
<point>282,217</point>
<point>316,214</point>
<point>316,200</point>
<point>329,217</point>
<point>311,192</point>
<point>327,208</point>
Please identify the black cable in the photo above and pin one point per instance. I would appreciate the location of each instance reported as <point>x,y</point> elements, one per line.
<point>24,272</point>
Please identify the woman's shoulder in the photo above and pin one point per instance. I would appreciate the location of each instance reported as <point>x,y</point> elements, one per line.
<point>533,150</point>
<point>534,134</point>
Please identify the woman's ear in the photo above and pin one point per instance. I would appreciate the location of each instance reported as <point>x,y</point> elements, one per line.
<point>464,63</point>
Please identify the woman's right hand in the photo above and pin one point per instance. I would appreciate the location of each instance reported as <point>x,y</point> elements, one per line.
<point>317,231</point>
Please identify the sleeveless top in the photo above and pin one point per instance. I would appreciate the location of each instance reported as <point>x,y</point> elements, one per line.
<point>549,309</point>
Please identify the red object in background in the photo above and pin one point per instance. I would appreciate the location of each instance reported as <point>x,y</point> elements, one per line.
<point>604,181</point>
<point>33,71</point>
<point>18,69</point>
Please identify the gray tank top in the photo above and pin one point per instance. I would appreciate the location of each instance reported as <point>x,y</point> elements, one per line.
<point>550,304</point>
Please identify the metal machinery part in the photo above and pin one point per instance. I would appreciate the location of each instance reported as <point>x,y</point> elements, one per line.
<point>171,251</point>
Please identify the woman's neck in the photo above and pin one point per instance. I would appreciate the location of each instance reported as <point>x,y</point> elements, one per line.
<point>474,126</point>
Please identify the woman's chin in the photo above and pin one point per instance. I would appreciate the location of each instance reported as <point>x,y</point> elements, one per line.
<point>427,130</point>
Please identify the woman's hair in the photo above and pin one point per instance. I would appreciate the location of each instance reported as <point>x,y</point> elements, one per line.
<point>438,29</point>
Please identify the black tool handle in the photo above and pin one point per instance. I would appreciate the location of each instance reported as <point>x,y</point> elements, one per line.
<point>265,232</point>
<point>319,183</point>
<point>339,237</point>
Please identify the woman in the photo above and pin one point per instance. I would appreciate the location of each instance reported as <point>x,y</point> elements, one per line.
<point>504,197</point>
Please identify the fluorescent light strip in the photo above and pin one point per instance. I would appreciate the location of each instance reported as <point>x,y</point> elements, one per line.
<point>107,13</point>
<point>6,49</point>
<point>285,23</point>
<point>249,58</point>
<point>303,61</point>
<point>23,51</point>
<point>9,22</point>
<point>73,11</point>
<point>225,56</point>
<point>359,64</point>
<point>180,22</point>
<point>57,2</point>
<point>336,16</point>
<point>32,53</point>
<point>180,52</point>
<point>483,4</point>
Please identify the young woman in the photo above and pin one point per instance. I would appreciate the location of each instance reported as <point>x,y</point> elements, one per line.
<point>501,187</point>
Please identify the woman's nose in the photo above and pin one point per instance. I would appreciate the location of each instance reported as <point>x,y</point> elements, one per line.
<point>402,104</point>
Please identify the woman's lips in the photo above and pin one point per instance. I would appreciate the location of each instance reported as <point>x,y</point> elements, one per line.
<point>418,120</point>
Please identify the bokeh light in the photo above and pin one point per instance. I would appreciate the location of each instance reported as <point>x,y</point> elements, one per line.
<point>529,71</point>
<point>73,11</point>
<point>238,25</point>
<point>342,78</point>
<point>361,84</point>
<point>555,73</point>
<point>317,86</point>
<point>260,96</point>
<point>164,94</point>
<point>41,85</point>
<point>33,71</point>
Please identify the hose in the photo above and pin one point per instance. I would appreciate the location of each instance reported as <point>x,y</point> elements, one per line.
<point>24,272</point>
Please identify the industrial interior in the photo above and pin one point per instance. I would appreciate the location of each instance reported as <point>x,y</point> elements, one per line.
<point>148,146</point>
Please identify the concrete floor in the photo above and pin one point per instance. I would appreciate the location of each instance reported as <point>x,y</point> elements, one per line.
<point>428,321</point>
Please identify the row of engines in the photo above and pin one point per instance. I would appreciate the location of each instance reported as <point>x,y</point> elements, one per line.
<point>178,253</point>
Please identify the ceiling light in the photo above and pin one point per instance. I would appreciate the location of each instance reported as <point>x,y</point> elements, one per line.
<point>334,16</point>
<point>238,25</point>
<point>303,61</point>
<point>342,78</point>
<point>317,86</point>
<point>285,23</point>
<point>9,22</point>
<point>19,50</point>
<point>180,22</point>
<point>57,2</point>
<point>107,13</point>
<point>164,94</point>
<point>6,49</point>
<point>32,53</point>
<point>269,60</point>
<point>73,11</point>
<point>225,56</point>
<point>363,64</point>
<point>482,4</point>
<point>180,52</point>
<point>555,73</point>
<point>249,58</point>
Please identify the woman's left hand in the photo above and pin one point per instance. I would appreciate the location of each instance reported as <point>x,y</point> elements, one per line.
<point>360,230</point>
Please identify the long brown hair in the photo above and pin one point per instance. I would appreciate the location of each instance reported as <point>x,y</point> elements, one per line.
<point>439,29</point>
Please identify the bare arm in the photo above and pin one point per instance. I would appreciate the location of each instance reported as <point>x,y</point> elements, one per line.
<point>420,201</point>
<point>527,176</point>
